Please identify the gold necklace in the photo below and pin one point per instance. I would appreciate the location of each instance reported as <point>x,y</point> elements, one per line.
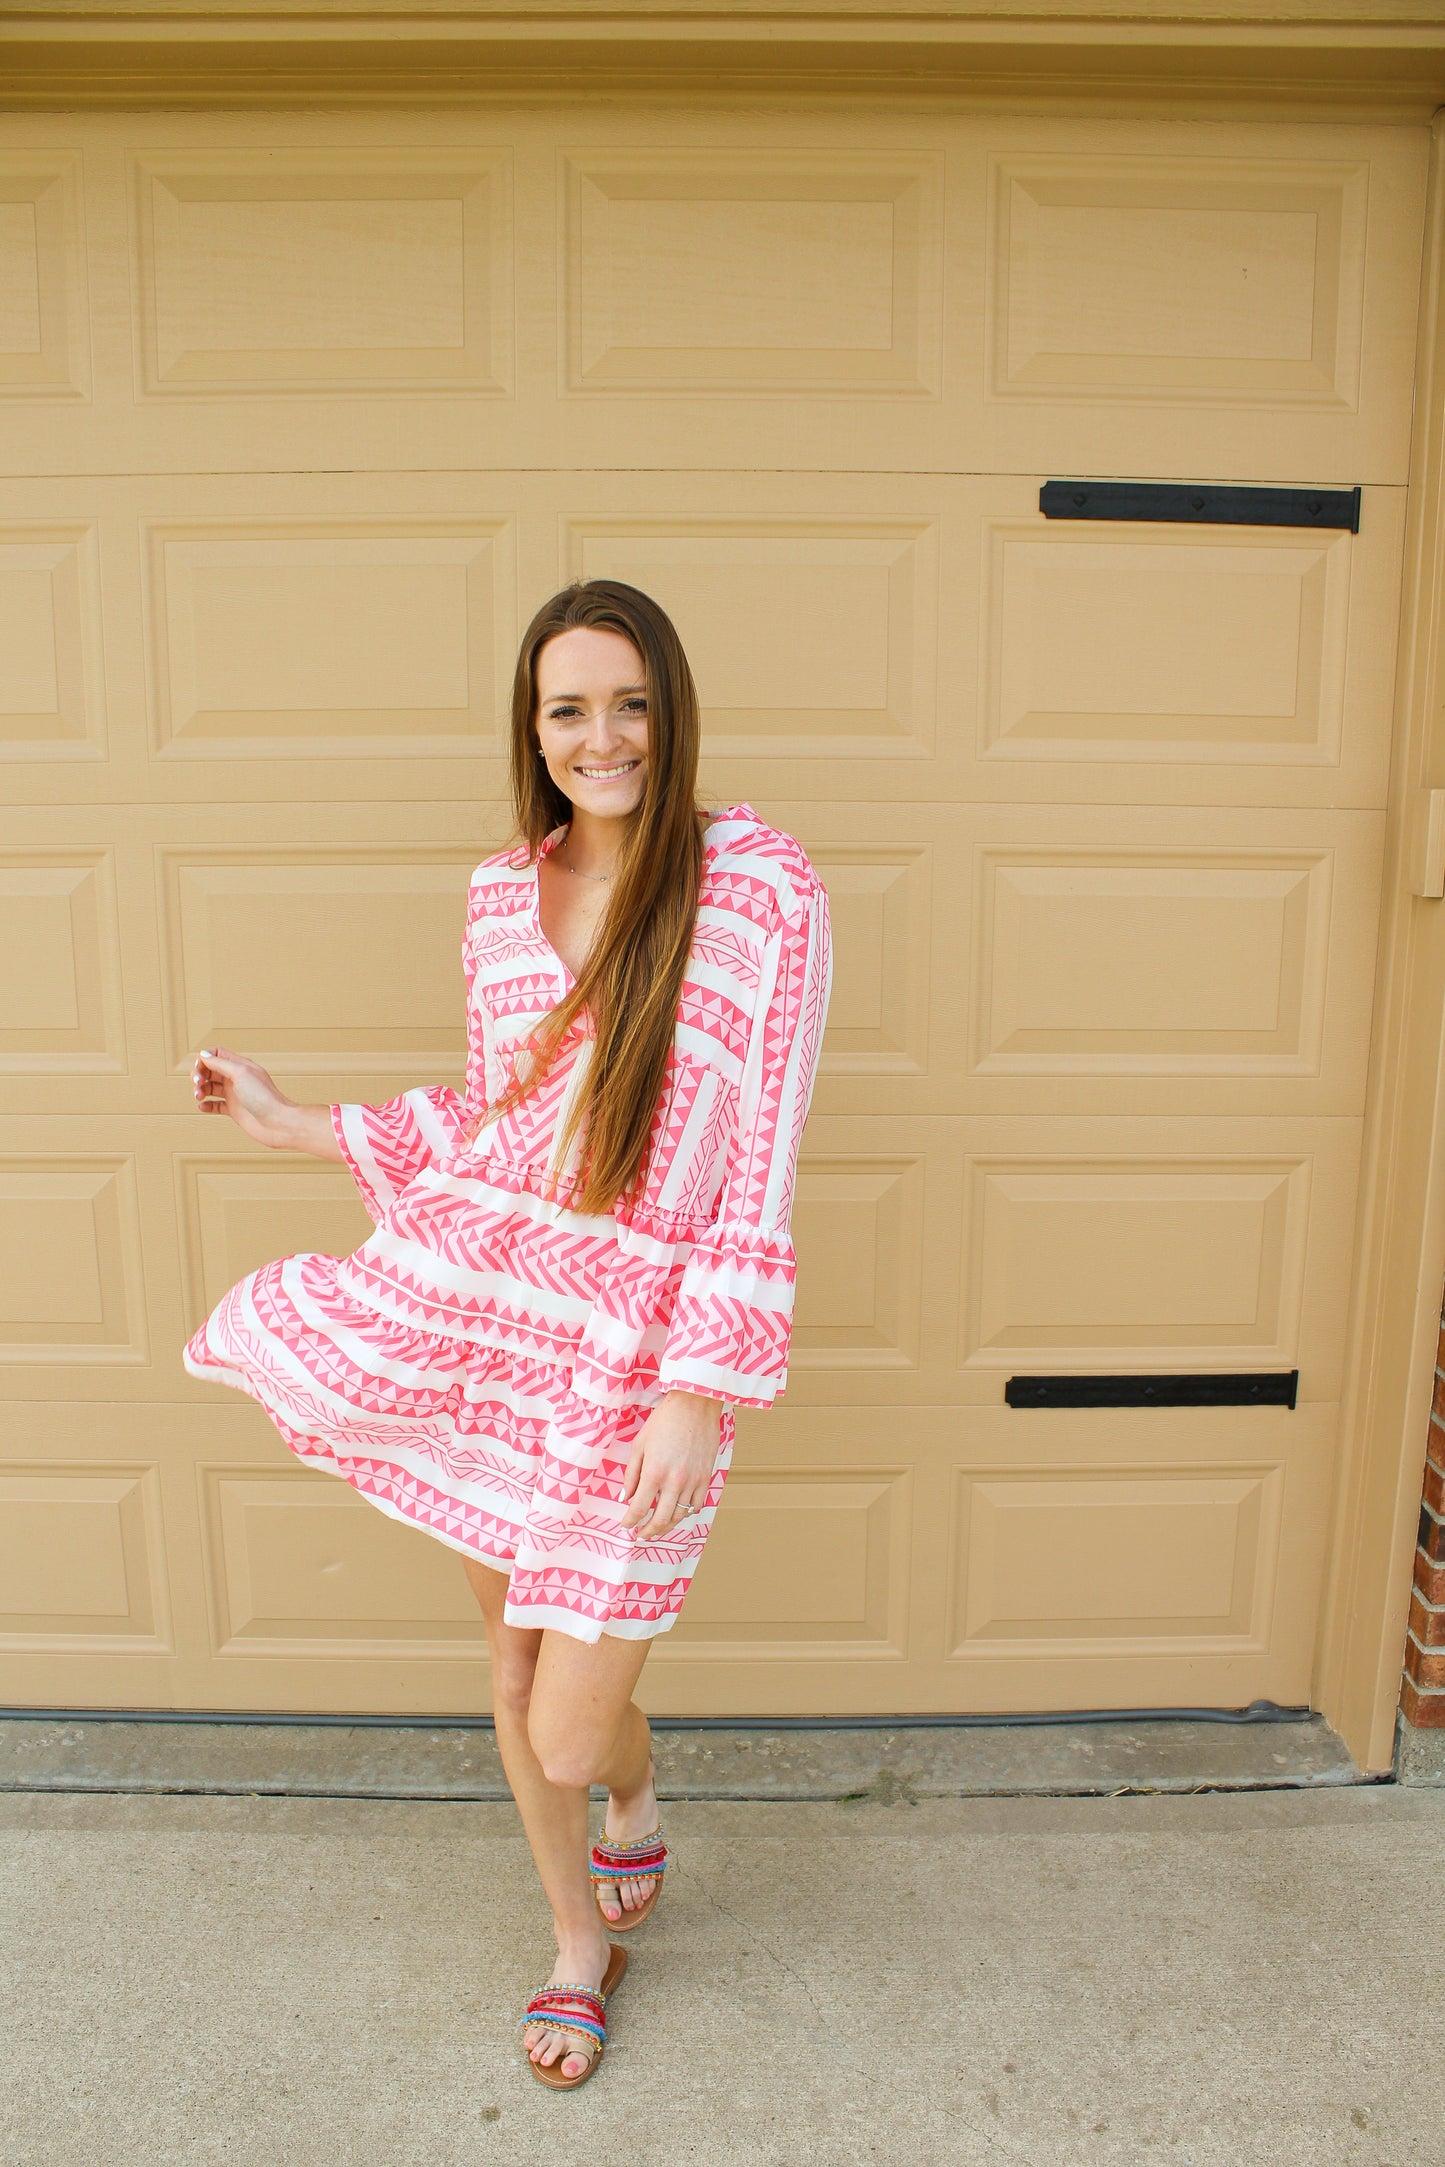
<point>567,855</point>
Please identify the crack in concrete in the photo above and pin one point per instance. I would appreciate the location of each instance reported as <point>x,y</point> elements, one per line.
<point>756,1940</point>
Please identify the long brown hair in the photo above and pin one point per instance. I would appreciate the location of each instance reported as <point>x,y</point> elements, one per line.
<point>631,981</point>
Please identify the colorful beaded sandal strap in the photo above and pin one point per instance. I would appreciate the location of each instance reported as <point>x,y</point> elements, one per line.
<point>569,2009</point>
<point>630,1861</point>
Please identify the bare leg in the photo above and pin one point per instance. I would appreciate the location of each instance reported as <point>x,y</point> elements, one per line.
<point>631,1813</point>
<point>565,1720</point>
<point>569,1676</point>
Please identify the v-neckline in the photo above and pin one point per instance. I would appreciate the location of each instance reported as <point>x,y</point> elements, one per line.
<point>549,844</point>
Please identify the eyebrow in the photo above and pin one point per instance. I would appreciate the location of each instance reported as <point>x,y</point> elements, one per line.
<point>620,693</point>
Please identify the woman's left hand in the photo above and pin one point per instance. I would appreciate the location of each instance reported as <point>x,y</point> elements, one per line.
<point>670,1468</point>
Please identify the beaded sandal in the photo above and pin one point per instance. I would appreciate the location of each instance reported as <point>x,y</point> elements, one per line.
<point>579,2010</point>
<point>632,1861</point>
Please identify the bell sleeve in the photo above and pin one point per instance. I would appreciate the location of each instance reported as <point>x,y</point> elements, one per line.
<point>387,1146</point>
<point>732,1319</point>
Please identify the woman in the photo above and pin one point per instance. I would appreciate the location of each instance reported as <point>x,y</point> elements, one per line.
<point>581,1266</point>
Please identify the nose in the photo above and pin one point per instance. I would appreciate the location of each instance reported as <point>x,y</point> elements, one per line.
<point>603,735</point>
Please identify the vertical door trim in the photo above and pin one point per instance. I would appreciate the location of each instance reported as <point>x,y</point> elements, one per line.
<point>1400,1221</point>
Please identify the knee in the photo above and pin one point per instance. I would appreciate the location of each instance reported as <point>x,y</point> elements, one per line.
<point>570,1761</point>
<point>512,1677</point>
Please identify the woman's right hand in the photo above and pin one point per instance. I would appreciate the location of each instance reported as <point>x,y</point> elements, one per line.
<point>229,1083</point>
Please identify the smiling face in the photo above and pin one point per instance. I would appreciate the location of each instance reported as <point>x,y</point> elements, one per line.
<point>591,720</point>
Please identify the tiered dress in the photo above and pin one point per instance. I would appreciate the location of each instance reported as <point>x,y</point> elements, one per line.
<point>480,1366</point>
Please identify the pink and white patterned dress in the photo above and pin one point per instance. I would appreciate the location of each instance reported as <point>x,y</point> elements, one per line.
<point>481,1364</point>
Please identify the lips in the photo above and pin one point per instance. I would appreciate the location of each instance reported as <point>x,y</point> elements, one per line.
<point>606,774</point>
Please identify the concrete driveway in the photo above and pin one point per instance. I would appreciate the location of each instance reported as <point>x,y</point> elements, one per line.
<point>1215,1981</point>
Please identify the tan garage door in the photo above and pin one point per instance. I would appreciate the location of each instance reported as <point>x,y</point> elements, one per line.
<point>301,417</point>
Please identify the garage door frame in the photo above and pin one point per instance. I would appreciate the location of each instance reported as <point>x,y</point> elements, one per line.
<point>1400,1244</point>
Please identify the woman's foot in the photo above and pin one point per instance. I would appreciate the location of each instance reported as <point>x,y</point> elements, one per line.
<point>629,1816</point>
<point>582,1964</point>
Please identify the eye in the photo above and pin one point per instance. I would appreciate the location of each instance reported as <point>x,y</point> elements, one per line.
<point>561,714</point>
<point>635,706</point>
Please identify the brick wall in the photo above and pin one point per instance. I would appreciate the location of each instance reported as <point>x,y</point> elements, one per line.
<point>1422,1697</point>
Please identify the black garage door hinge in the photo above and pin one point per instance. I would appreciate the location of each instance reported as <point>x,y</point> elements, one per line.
<point>1200,505</point>
<point>1202,1388</point>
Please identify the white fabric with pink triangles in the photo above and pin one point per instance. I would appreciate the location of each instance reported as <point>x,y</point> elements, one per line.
<point>480,1366</point>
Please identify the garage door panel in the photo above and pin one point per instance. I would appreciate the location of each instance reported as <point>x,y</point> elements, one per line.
<point>52,686</point>
<point>62,1004</point>
<point>89,1261</point>
<point>1090,1263</point>
<point>296,638</point>
<point>324,270</point>
<point>72,1284</point>
<point>1213,277</point>
<point>292,638</point>
<point>1231,1525</point>
<point>355,1064</point>
<point>860,1222</point>
<point>1105,640</point>
<point>1196,968</point>
<point>874,1301</point>
<point>778,270</point>
<point>1044,1562</point>
<point>939,1257</point>
<point>150,1223</point>
<point>1096,964</point>
<point>875,1209</point>
<point>73,699</point>
<point>82,1561</point>
<point>1252,1500</point>
<point>1146,276</point>
<point>1153,1246</point>
<point>880,907</point>
<point>332,270</point>
<point>253,957</point>
<point>308,638</point>
<point>44,343</point>
<point>1204,960</point>
<point>818,1566</point>
<point>1094,300</point>
<point>1123,659</point>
